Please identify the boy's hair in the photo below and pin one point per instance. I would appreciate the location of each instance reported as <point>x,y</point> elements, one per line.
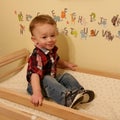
<point>41,19</point>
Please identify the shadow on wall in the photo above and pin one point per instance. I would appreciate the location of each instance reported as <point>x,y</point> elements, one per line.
<point>65,46</point>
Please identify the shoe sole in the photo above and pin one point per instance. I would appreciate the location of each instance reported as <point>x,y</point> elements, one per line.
<point>91,96</point>
<point>78,99</point>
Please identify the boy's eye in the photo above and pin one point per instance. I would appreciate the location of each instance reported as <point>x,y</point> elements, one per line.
<point>44,37</point>
<point>52,35</point>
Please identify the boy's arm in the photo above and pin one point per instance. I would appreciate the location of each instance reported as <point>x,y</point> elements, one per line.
<point>65,64</point>
<point>37,96</point>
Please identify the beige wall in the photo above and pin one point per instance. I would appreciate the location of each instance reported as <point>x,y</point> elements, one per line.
<point>96,52</point>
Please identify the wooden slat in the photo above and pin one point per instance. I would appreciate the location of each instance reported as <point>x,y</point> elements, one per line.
<point>4,60</point>
<point>10,58</point>
<point>48,107</point>
<point>9,113</point>
<point>13,114</point>
<point>100,73</point>
<point>17,69</point>
<point>24,53</point>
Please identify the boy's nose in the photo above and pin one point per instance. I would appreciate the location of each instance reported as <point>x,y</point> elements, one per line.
<point>50,38</point>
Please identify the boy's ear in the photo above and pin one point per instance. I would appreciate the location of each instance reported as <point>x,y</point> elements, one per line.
<point>33,39</point>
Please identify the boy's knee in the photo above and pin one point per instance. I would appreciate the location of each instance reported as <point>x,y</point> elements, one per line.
<point>67,75</point>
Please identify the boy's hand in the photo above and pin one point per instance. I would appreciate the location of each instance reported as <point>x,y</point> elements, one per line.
<point>37,99</point>
<point>65,64</point>
<point>72,66</point>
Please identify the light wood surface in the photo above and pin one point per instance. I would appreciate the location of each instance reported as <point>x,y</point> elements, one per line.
<point>13,57</point>
<point>100,73</point>
<point>24,54</point>
<point>9,113</point>
<point>48,107</point>
<point>9,58</point>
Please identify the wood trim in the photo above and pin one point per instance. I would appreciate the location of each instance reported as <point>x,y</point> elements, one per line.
<point>24,53</point>
<point>9,113</point>
<point>100,73</point>
<point>13,57</point>
<point>17,69</point>
<point>9,58</point>
<point>13,114</point>
<point>48,107</point>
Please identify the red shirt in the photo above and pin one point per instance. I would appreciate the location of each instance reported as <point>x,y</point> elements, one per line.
<point>42,62</point>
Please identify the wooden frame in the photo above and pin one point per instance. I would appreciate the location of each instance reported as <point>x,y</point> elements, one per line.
<point>8,113</point>
<point>12,57</point>
<point>23,99</point>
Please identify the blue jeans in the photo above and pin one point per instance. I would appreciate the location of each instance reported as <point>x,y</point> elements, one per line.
<point>56,88</point>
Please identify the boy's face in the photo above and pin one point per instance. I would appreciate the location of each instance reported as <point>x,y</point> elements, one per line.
<point>44,36</point>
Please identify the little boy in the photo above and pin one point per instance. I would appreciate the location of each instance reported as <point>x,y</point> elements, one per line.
<point>42,77</point>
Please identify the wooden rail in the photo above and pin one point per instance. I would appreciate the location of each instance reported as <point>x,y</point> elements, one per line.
<point>9,113</point>
<point>48,107</point>
<point>13,57</point>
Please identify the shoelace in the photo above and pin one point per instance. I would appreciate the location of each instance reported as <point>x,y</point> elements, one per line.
<point>71,95</point>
